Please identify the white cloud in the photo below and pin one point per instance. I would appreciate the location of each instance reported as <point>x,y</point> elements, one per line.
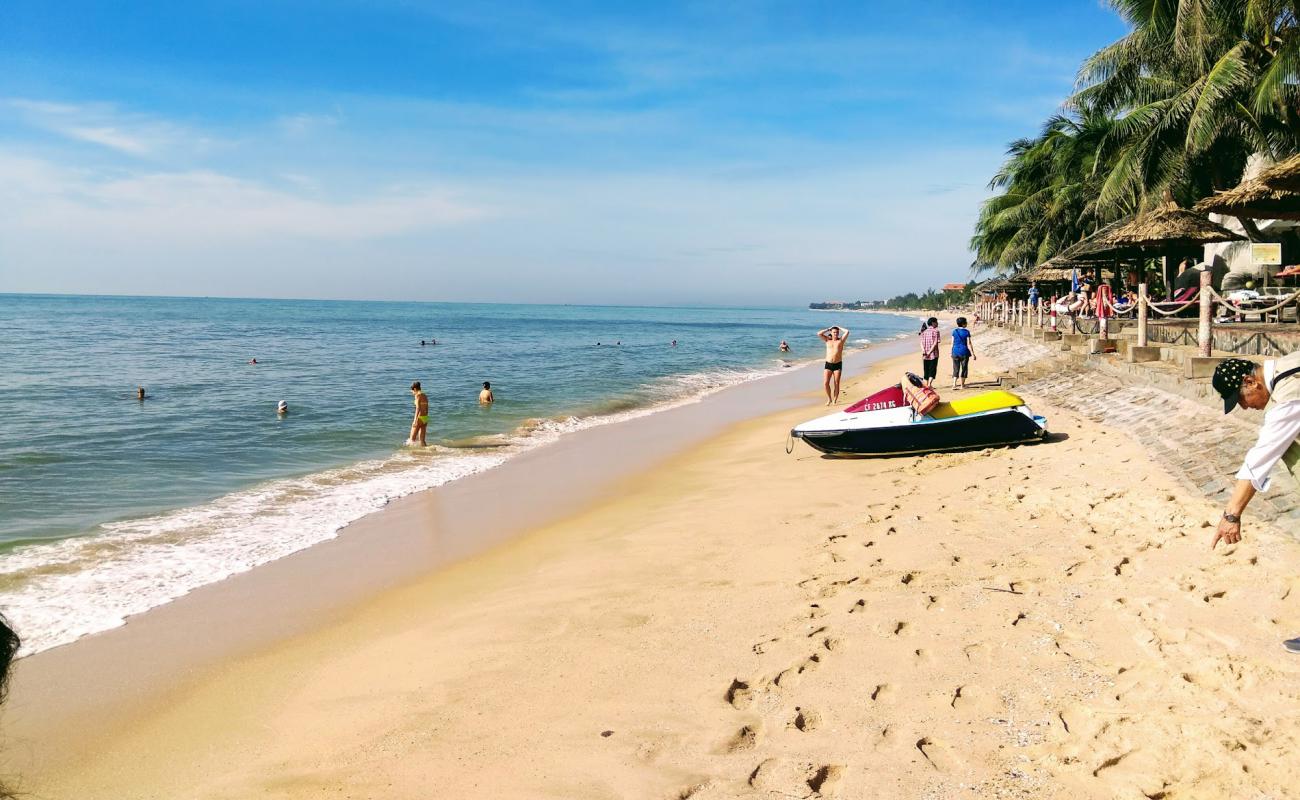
<point>105,125</point>
<point>304,123</point>
<point>200,208</point>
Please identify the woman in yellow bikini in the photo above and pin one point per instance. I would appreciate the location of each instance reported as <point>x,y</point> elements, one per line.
<point>421,422</point>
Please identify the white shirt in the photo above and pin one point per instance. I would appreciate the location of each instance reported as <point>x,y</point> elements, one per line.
<point>1281,430</point>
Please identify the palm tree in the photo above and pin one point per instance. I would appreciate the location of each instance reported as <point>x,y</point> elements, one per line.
<point>1196,88</point>
<point>1048,188</point>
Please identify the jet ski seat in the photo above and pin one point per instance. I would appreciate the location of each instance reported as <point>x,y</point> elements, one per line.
<point>988,401</point>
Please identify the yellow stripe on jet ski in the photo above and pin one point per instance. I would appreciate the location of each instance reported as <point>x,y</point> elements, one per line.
<point>988,401</point>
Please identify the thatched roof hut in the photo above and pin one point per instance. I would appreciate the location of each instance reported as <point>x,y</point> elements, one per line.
<point>1162,231</point>
<point>1094,247</point>
<point>1285,174</point>
<point>1273,194</point>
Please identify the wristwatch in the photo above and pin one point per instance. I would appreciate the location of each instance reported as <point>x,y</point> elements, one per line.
<point>1233,518</point>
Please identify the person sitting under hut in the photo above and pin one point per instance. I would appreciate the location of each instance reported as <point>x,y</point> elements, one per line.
<point>1274,384</point>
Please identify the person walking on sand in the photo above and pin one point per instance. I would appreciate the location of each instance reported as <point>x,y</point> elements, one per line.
<point>963,350</point>
<point>834,338</point>
<point>930,339</point>
<point>1249,385</point>
<point>485,395</point>
<point>420,425</point>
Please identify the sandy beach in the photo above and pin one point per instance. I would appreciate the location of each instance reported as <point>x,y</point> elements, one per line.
<point>1041,621</point>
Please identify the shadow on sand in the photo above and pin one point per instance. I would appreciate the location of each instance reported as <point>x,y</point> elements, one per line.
<point>1050,438</point>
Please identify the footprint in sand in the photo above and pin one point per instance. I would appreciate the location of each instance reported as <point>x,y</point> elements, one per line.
<point>761,647</point>
<point>745,739</point>
<point>740,695</point>
<point>796,779</point>
<point>937,754</point>
<point>805,720</point>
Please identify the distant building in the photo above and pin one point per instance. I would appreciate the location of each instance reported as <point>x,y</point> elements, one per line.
<point>954,287</point>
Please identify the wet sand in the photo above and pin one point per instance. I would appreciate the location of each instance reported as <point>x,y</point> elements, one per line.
<point>733,621</point>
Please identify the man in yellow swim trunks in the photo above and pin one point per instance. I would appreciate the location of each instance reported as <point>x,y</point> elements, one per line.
<point>421,422</point>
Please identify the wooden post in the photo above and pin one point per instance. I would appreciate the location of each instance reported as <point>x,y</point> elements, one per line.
<point>1204,330</point>
<point>1142,314</point>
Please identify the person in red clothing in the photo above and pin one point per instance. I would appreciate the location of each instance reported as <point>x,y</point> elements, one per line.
<point>930,339</point>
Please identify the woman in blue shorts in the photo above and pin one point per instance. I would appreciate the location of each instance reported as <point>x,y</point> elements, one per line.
<point>963,350</point>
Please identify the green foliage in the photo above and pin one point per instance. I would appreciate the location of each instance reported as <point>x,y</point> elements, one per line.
<point>932,300</point>
<point>1172,110</point>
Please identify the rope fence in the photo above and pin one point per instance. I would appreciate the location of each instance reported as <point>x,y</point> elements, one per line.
<point>1286,301</point>
<point>1047,313</point>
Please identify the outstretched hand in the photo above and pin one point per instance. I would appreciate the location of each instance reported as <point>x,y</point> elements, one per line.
<point>1227,532</point>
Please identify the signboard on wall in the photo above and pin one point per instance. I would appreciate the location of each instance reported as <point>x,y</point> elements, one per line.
<point>1266,254</point>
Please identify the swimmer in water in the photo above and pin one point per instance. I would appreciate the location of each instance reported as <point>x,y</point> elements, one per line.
<point>252,360</point>
<point>282,408</point>
<point>674,342</point>
<point>139,393</point>
<point>785,347</point>
<point>485,396</point>
<point>420,424</point>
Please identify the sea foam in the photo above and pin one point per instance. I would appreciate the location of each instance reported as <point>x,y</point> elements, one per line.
<point>58,592</point>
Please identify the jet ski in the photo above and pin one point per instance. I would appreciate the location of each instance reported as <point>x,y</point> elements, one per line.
<point>886,424</point>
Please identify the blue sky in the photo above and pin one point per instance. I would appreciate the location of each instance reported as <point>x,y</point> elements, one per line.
<point>695,152</point>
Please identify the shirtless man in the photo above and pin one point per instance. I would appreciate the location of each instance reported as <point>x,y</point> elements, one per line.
<point>834,337</point>
<point>421,422</point>
<point>485,394</point>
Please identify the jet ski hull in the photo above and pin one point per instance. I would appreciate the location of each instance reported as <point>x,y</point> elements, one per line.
<point>879,437</point>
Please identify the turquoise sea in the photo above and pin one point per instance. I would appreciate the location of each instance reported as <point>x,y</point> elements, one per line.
<point>110,506</point>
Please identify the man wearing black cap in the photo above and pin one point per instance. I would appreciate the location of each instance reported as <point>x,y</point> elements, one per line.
<point>1251,385</point>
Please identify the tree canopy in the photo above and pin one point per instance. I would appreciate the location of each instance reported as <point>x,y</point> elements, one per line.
<point>1171,111</point>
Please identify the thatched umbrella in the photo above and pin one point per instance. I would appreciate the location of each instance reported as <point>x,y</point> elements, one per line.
<point>1168,228</point>
<point>1273,194</point>
<point>1094,247</point>
<point>1285,174</point>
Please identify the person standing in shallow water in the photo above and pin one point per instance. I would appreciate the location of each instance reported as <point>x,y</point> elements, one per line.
<point>834,338</point>
<point>930,339</point>
<point>485,395</point>
<point>420,425</point>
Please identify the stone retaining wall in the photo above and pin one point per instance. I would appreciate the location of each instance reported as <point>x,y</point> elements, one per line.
<point>1187,434</point>
<point>1246,339</point>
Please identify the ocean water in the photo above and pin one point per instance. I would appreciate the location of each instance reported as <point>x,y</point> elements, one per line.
<point>110,506</point>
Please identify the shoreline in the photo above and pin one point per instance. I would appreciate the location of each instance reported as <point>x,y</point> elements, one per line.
<point>436,528</point>
<point>221,538</point>
<point>732,621</point>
